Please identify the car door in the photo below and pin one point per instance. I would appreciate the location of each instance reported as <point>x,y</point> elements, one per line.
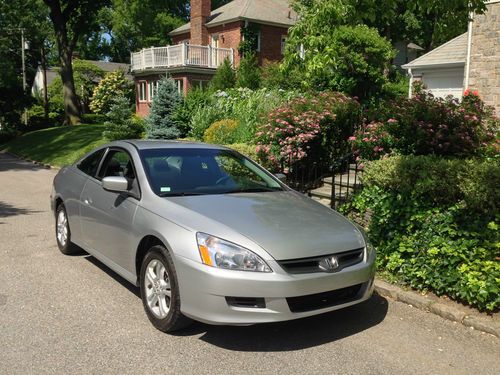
<point>107,217</point>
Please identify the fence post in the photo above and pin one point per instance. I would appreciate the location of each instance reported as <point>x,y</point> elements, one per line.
<point>184,53</point>
<point>232,57</point>
<point>153,57</point>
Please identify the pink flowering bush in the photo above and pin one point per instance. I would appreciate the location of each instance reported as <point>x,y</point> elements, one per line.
<point>425,125</point>
<point>307,128</point>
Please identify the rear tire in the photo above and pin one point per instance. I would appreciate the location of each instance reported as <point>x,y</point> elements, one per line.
<point>63,232</point>
<point>160,291</point>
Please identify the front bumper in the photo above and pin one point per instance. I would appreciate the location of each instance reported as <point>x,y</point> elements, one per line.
<point>204,290</point>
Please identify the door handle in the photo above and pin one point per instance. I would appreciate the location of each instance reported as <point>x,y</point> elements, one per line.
<point>88,201</point>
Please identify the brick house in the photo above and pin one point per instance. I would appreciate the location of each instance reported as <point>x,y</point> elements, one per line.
<point>470,61</point>
<point>201,45</point>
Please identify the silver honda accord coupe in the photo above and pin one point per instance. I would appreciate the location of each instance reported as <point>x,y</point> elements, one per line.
<point>208,234</point>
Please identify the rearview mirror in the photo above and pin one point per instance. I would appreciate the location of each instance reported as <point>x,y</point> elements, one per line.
<point>281,177</point>
<point>115,183</point>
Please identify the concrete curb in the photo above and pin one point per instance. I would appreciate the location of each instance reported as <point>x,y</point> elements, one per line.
<point>445,311</point>
<point>46,166</point>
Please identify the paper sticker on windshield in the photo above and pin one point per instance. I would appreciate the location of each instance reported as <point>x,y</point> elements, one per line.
<point>165,190</point>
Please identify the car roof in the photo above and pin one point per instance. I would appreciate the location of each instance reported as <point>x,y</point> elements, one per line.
<point>141,144</point>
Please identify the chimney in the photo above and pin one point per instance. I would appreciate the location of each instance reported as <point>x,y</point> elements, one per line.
<point>200,11</point>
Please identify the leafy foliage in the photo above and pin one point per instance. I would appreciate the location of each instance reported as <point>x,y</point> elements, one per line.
<point>121,123</point>
<point>221,132</point>
<point>224,78</point>
<point>434,223</point>
<point>85,76</point>
<point>315,127</point>
<point>160,124</point>
<point>248,74</point>
<point>194,100</point>
<point>350,59</point>
<point>426,125</point>
<point>249,108</point>
<point>113,85</point>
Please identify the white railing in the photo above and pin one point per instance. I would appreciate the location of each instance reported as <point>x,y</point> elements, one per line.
<point>180,55</point>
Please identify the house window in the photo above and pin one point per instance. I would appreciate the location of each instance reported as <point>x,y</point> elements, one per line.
<point>283,43</point>
<point>258,42</point>
<point>153,88</point>
<point>141,89</point>
<point>180,85</point>
<point>214,40</point>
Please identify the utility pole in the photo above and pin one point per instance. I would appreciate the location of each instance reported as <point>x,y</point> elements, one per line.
<point>23,57</point>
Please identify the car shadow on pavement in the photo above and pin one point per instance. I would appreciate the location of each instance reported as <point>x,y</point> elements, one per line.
<point>284,336</point>
<point>131,288</point>
<point>296,334</point>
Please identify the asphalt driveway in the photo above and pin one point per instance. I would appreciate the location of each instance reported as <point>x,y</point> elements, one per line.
<point>72,315</point>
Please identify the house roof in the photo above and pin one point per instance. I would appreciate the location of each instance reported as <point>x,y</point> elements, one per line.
<point>453,52</point>
<point>275,12</point>
<point>53,72</point>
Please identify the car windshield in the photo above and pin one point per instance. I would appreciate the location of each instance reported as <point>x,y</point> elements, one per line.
<point>195,171</point>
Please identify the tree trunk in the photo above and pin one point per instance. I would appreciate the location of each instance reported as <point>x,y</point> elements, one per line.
<point>71,104</point>
<point>65,50</point>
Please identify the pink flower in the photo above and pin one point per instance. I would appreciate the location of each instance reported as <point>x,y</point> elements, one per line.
<point>352,138</point>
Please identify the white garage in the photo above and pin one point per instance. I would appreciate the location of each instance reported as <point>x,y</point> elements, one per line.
<point>442,69</point>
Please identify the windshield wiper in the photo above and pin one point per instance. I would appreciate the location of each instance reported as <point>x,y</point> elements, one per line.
<point>253,190</point>
<point>183,194</point>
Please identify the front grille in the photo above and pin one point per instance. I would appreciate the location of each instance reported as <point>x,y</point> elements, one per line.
<point>323,300</point>
<point>256,303</point>
<point>311,265</point>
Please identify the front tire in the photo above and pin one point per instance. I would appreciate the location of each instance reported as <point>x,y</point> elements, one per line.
<point>160,291</point>
<point>63,232</point>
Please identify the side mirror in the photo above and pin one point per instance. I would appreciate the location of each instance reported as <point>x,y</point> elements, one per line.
<point>281,177</point>
<point>117,184</point>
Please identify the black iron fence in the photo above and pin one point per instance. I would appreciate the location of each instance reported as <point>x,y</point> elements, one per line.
<point>343,175</point>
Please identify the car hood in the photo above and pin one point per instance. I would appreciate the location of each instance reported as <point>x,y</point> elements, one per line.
<point>286,224</point>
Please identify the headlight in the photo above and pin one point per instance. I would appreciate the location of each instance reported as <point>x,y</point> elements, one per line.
<point>216,252</point>
<point>369,247</point>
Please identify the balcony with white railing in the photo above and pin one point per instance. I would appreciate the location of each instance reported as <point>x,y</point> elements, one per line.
<point>181,55</point>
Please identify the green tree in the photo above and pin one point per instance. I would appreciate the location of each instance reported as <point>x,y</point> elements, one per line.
<point>112,85</point>
<point>224,77</point>
<point>160,123</point>
<point>248,74</point>
<point>31,16</point>
<point>428,23</point>
<point>70,20</point>
<point>351,59</point>
<point>136,24</point>
<point>85,75</point>
<point>121,123</point>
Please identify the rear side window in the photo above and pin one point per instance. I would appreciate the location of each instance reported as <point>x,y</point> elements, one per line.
<point>90,164</point>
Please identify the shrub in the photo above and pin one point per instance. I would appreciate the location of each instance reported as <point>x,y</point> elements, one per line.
<point>93,118</point>
<point>436,180</point>
<point>308,127</point>
<point>160,123</point>
<point>249,108</point>
<point>194,101</point>
<point>426,125</point>
<point>224,77</point>
<point>221,132</point>
<point>113,84</point>
<point>248,74</point>
<point>121,124</point>
<point>434,223</point>
<point>245,149</point>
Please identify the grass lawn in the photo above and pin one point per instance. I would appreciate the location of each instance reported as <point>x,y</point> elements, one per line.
<point>58,146</point>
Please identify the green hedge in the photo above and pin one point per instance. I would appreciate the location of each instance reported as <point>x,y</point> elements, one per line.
<point>434,223</point>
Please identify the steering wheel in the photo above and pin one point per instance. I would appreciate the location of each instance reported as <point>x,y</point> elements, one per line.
<point>222,179</point>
